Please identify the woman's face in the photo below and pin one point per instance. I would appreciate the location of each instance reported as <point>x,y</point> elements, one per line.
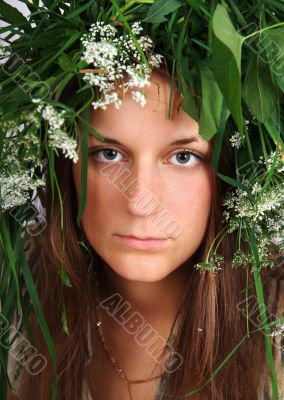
<point>146,186</point>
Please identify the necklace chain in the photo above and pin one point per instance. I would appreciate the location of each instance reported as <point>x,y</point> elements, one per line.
<point>109,354</point>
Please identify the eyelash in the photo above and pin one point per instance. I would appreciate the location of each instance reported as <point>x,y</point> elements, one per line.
<point>95,151</point>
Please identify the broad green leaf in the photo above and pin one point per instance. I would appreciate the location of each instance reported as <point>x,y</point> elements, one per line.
<point>11,15</point>
<point>273,43</point>
<point>189,105</point>
<point>275,130</point>
<point>158,11</point>
<point>259,91</point>
<point>227,49</point>
<point>211,106</point>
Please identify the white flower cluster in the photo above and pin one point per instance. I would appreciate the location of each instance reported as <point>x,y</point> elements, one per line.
<point>14,189</point>
<point>117,64</point>
<point>279,164</point>
<point>214,264</point>
<point>236,140</point>
<point>241,259</point>
<point>261,208</point>
<point>278,330</point>
<point>58,137</point>
<point>20,150</point>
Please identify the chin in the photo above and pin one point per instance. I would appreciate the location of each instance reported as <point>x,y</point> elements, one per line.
<point>140,268</point>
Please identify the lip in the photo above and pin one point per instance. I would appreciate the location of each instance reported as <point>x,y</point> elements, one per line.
<point>145,243</point>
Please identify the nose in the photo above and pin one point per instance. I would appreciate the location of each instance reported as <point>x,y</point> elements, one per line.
<point>141,193</point>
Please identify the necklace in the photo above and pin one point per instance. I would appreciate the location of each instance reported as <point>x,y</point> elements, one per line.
<point>109,354</point>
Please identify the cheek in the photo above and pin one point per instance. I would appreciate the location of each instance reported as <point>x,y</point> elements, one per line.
<point>102,196</point>
<point>190,196</point>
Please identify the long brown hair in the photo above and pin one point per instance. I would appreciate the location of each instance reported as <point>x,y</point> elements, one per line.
<point>210,303</point>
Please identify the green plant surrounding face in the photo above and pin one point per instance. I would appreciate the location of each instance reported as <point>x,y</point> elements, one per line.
<point>227,59</point>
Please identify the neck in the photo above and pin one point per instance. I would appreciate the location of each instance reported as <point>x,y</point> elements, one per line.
<point>156,302</point>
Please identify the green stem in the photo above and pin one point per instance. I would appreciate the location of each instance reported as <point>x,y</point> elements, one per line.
<point>248,144</point>
<point>171,90</point>
<point>132,2</point>
<point>262,142</point>
<point>223,233</point>
<point>262,311</point>
<point>263,30</point>
<point>247,310</point>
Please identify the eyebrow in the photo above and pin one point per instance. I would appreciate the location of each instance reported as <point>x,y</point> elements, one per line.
<point>179,141</point>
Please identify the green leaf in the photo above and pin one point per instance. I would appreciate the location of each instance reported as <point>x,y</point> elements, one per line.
<point>66,63</point>
<point>38,310</point>
<point>11,15</point>
<point>259,92</point>
<point>274,46</point>
<point>84,163</point>
<point>227,49</point>
<point>225,113</point>
<point>66,45</point>
<point>274,129</point>
<point>64,276</point>
<point>262,312</point>
<point>218,369</point>
<point>234,183</point>
<point>211,106</point>
<point>189,105</point>
<point>160,9</point>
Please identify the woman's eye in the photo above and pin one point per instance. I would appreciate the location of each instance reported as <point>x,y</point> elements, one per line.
<point>181,157</point>
<point>106,155</point>
<point>185,157</point>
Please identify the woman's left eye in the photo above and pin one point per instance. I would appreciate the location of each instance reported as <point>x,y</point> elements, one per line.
<point>186,158</point>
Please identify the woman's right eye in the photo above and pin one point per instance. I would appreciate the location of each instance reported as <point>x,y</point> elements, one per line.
<point>106,155</point>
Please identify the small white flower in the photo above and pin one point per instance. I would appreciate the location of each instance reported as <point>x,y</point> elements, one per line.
<point>136,79</point>
<point>139,97</point>
<point>58,137</point>
<point>136,28</point>
<point>145,43</point>
<point>278,329</point>
<point>156,60</point>
<point>61,140</point>
<point>116,63</point>
<point>110,98</point>
<point>101,54</point>
<point>236,140</point>
<point>14,189</point>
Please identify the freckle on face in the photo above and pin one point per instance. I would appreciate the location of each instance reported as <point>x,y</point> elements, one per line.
<point>182,193</point>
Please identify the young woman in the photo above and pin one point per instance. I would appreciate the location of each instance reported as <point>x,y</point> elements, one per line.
<point>178,179</point>
<point>162,327</point>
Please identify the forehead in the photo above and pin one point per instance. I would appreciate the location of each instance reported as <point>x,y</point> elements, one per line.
<point>133,125</point>
<point>162,91</point>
